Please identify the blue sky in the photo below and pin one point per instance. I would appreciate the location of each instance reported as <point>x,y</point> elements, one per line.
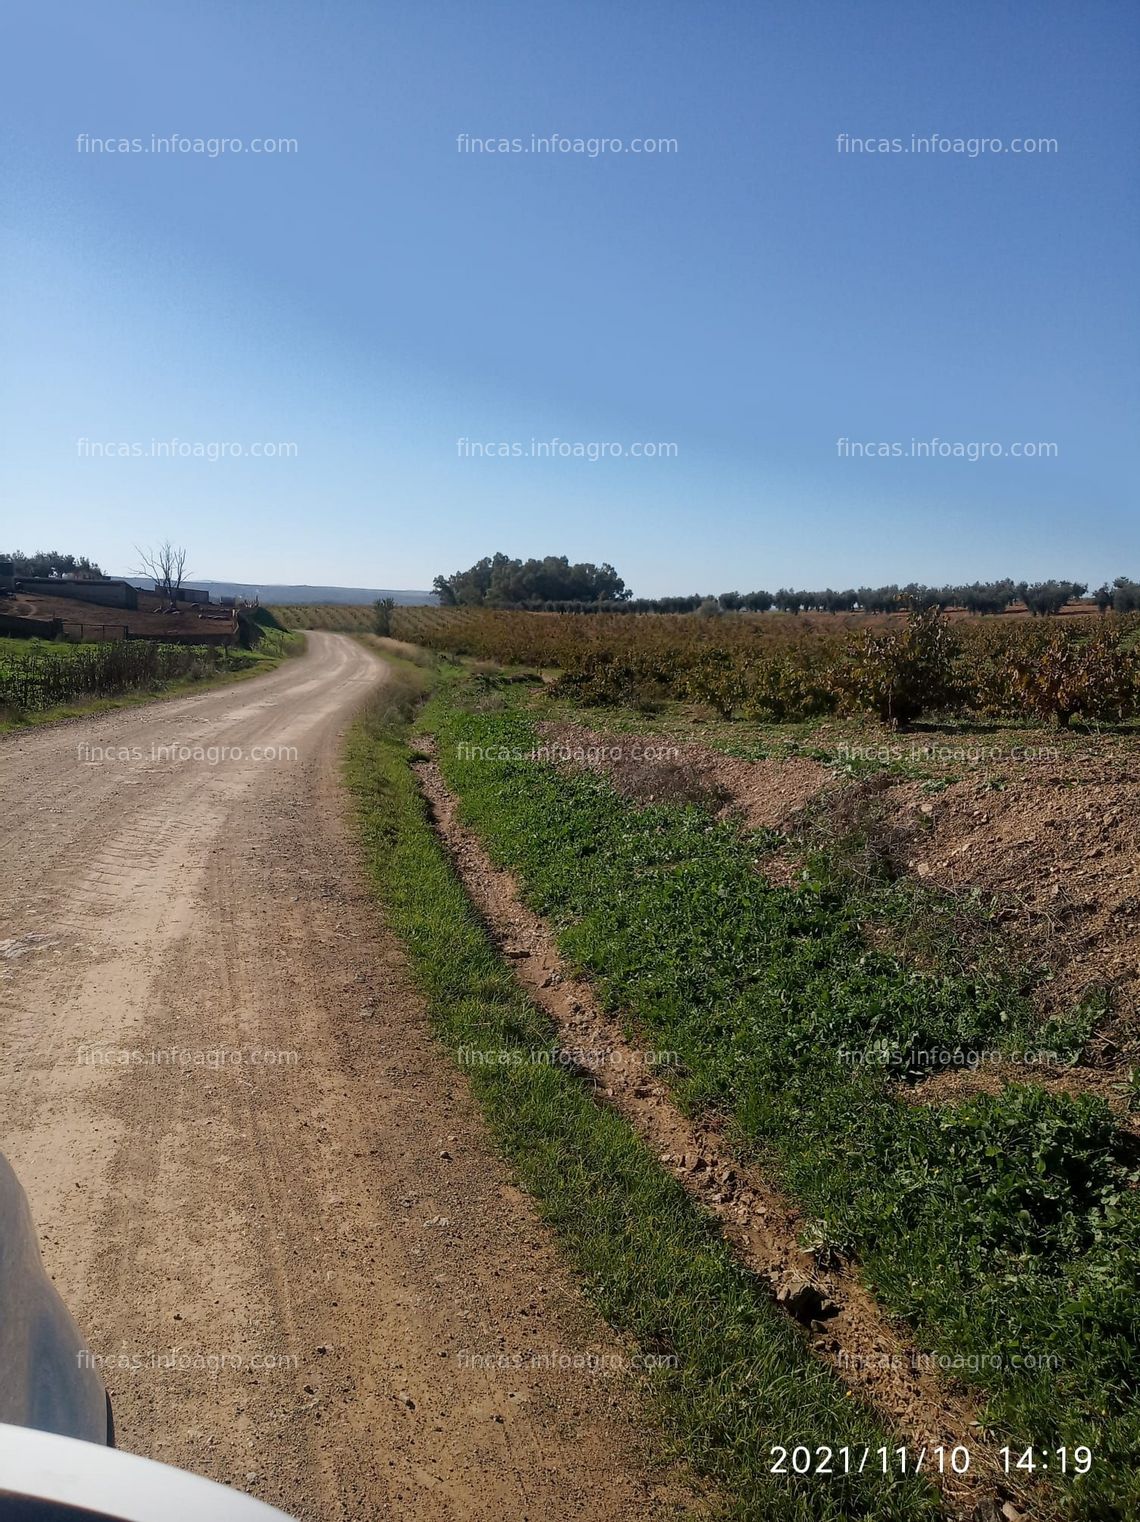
<point>748,299</point>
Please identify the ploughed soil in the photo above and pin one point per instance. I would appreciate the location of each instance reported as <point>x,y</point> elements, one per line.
<point>262,1188</point>
<point>1060,848</point>
<point>1055,841</point>
<point>102,622</point>
<point>658,769</point>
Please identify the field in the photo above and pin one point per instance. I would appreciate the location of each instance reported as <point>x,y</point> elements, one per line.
<point>40,678</point>
<point>340,617</point>
<point>898,667</point>
<point>878,916</point>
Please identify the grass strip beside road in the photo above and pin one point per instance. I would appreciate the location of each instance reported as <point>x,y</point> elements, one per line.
<point>744,1378</point>
<point>1005,1229</point>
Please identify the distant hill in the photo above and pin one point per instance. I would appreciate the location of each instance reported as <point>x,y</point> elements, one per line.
<point>270,592</point>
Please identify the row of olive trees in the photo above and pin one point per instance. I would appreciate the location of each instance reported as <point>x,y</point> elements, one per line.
<point>554,585</point>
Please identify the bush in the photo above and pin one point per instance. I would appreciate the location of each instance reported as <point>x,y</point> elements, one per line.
<point>1069,674</point>
<point>902,673</point>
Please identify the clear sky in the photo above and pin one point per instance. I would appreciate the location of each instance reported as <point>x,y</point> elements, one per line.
<point>748,298</point>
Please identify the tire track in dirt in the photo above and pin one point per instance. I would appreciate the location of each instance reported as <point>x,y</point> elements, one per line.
<point>306,1272</point>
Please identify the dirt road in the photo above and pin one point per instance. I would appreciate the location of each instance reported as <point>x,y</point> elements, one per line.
<point>265,1194</point>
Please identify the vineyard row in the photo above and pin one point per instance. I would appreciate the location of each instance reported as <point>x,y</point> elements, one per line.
<point>767,668</point>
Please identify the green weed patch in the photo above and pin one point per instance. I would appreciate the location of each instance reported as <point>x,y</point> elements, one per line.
<point>1005,1229</point>
<point>744,1379</point>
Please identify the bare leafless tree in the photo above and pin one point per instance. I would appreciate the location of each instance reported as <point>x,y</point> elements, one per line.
<point>167,564</point>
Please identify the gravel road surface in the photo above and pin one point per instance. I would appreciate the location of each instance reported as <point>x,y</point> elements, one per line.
<point>264,1192</point>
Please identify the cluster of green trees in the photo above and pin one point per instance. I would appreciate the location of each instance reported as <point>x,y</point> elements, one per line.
<point>1123,596</point>
<point>51,563</point>
<point>497,581</point>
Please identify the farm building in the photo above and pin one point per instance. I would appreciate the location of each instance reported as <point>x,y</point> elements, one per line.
<point>109,594</point>
<point>185,594</point>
